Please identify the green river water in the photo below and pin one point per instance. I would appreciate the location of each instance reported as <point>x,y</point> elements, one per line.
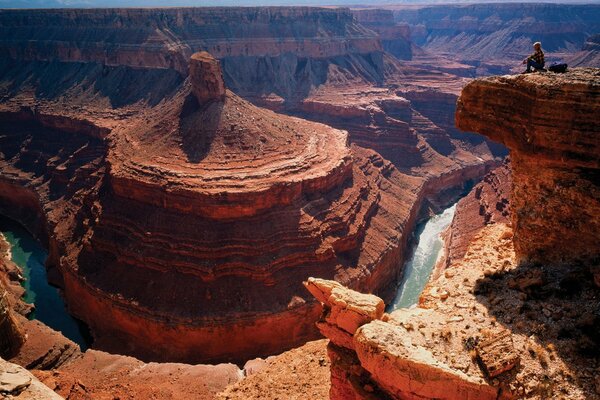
<point>428,251</point>
<point>50,307</point>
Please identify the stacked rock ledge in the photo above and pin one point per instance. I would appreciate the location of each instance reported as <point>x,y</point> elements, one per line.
<point>373,356</point>
<point>550,124</point>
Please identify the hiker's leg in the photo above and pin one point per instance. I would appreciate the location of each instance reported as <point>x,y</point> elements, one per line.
<point>534,64</point>
<point>529,65</point>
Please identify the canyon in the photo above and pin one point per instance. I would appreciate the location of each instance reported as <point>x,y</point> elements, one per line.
<point>189,168</point>
<point>510,312</point>
<point>114,159</point>
<point>494,38</point>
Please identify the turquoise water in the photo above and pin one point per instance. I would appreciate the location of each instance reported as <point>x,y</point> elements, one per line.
<point>50,307</point>
<point>428,251</point>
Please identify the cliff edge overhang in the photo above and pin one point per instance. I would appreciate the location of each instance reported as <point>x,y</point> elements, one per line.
<point>550,123</point>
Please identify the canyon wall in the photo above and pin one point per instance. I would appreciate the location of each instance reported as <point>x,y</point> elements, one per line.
<point>395,37</point>
<point>496,37</point>
<point>589,54</point>
<point>488,203</point>
<point>138,208</point>
<point>279,50</point>
<point>180,219</point>
<point>554,157</point>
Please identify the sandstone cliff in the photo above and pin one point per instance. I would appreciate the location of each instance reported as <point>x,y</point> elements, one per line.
<point>490,323</point>
<point>554,157</point>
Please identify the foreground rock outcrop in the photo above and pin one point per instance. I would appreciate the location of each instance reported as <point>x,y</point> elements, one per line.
<point>18,383</point>
<point>486,328</point>
<point>509,314</point>
<point>550,123</point>
<point>374,358</point>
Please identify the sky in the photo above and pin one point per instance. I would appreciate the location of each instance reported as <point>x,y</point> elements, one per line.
<point>205,3</point>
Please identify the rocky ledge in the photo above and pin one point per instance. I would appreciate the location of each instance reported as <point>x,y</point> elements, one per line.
<point>492,324</point>
<point>550,124</point>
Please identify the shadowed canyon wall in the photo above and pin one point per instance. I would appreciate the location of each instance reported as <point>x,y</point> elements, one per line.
<point>280,50</point>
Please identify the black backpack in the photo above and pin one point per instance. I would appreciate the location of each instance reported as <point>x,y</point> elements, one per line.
<point>558,68</point>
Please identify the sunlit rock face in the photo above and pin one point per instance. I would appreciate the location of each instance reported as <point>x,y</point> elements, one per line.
<point>550,124</point>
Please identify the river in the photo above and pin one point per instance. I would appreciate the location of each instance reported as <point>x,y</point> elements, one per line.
<point>50,307</point>
<point>428,251</point>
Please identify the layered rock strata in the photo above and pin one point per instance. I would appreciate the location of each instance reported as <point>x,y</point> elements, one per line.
<point>554,157</point>
<point>395,37</point>
<point>153,199</point>
<point>182,230</point>
<point>280,50</point>
<point>589,56</point>
<point>379,359</point>
<point>403,130</point>
<point>491,37</point>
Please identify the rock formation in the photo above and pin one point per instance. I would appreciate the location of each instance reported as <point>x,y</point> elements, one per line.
<point>589,56</point>
<point>554,157</point>
<point>489,325</point>
<point>18,383</point>
<point>206,78</point>
<point>263,50</point>
<point>11,332</point>
<point>487,203</point>
<point>167,252</point>
<point>175,224</point>
<point>373,359</point>
<point>395,37</point>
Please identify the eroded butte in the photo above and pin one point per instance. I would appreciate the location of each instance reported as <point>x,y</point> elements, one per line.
<point>186,233</point>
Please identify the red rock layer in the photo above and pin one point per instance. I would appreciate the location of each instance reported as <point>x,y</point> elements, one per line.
<point>549,121</point>
<point>487,203</point>
<point>386,121</point>
<point>176,254</point>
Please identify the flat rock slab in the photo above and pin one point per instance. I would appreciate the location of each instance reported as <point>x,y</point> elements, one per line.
<point>18,383</point>
<point>497,354</point>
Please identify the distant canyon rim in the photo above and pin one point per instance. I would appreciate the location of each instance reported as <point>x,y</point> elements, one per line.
<point>189,168</point>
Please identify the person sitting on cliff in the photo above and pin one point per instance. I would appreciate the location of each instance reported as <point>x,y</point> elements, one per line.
<point>536,60</point>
